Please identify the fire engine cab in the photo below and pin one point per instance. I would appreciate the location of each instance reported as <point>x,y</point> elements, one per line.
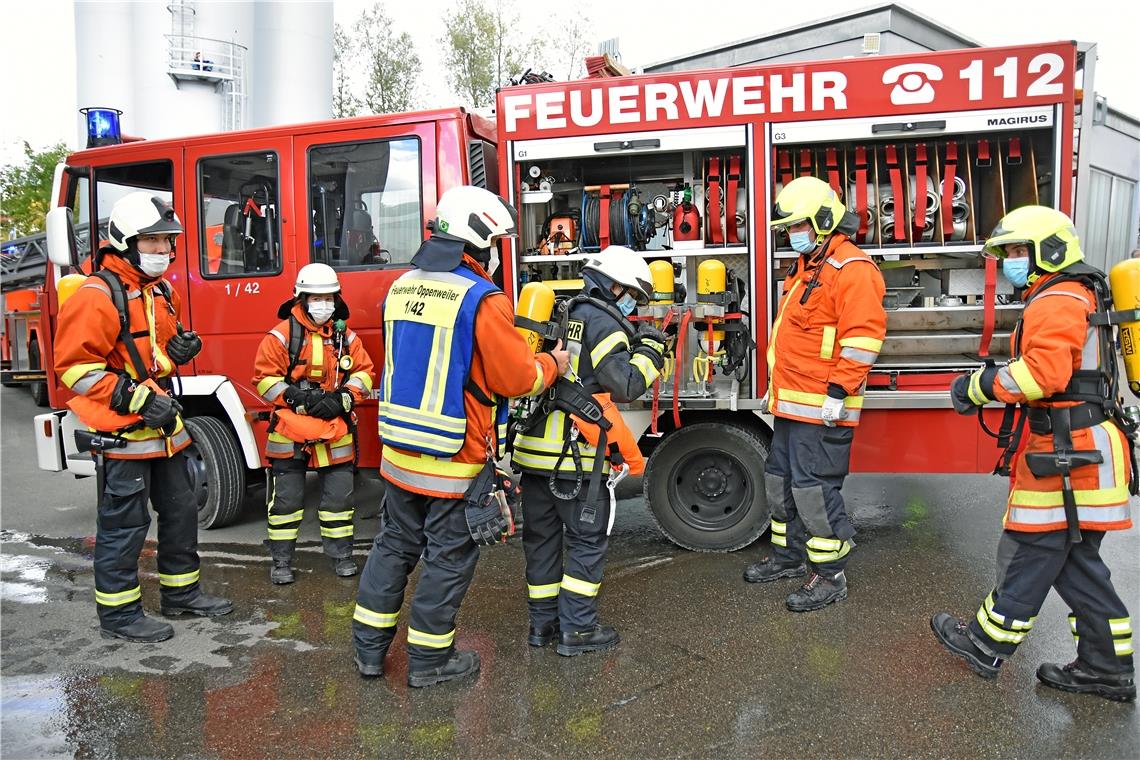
<point>930,150</point>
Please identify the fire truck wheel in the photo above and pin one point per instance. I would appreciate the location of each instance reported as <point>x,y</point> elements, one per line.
<point>705,486</point>
<point>38,388</point>
<point>217,476</point>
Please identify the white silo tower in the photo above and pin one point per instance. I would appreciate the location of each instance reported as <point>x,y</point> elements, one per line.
<point>181,67</point>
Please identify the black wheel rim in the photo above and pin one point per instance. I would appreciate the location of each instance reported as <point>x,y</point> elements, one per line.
<point>710,489</point>
<point>196,474</point>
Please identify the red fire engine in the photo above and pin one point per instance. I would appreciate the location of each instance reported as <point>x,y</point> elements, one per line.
<point>928,149</point>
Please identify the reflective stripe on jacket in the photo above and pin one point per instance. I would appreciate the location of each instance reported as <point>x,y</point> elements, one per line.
<point>1056,339</point>
<point>833,338</point>
<point>90,357</point>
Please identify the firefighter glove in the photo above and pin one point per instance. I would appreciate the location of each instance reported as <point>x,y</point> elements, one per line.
<point>765,403</point>
<point>485,520</point>
<point>833,411</point>
<point>647,335</point>
<point>295,398</point>
<point>960,395</point>
<point>160,411</point>
<point>347,400</point>
<point>329,405</point>
<point>183,347</point>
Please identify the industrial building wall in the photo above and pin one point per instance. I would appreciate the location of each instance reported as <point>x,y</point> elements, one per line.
<point>281,56</point>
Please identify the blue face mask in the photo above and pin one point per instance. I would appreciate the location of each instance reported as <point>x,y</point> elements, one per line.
<point>801,241</point>
<point>1016,271</point>
<point>627,304</point>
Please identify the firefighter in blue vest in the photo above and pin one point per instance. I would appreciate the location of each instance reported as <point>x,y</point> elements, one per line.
<point>562,503</point>
<point>452,361</point>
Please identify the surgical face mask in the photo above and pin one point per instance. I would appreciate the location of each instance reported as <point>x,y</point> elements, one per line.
<point>320,311</point>
<point>627,304</point>
<point>1016,271</point>
<point>801,241</point>
<point>154,264</point>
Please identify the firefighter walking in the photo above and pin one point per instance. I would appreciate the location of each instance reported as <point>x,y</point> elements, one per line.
<point>118,343</point>
<point>826,336</point>
<point>1070,484</point>
<point>567,519</point>
<point>452,360</point>
<point>314,370</point>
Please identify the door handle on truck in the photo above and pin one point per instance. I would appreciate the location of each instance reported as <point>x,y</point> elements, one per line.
<point>626,145</point>
<point>907,126</point>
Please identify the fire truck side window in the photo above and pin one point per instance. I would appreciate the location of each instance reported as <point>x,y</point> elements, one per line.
<point>241,232</point>
<point>79,200</point>
<point>113,182</point>
<point>365,202</point>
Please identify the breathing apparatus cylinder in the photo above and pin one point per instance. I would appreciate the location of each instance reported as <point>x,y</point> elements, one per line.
<point>662,274</point>
<point>536,303</point>
<point>67,286</point>
<point>1124,280</point>
<point>711,283</point>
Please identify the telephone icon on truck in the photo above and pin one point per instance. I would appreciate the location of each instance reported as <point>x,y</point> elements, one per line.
<point>912,83</point>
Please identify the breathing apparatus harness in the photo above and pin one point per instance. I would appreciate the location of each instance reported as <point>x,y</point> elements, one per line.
<point>1096,390</point>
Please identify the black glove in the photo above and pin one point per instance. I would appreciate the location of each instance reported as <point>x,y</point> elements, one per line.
<point>295,397</point>
<point>960,395</point>
<point>481,507</point>
<point>329,406</point>
<point>159,411</point>
<point>655,355</point>
<point>183,347</point>
<point>647,335</point>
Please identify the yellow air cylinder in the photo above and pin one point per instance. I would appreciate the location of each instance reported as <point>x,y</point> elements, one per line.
<point>711,281</point>
<point>662,275</point>
<point>67,286</point>
<point>1124,279</point>
<point>536,303</point>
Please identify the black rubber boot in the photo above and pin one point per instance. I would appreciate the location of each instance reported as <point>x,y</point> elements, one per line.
<point>1075,677</point>
<point>202,605</point>
<point>574,643</point>
<point>142,630</point>
<point>369,665</point>
<point>954,635</point>
<point>282,571</point>
<point>344,567</point>
<point>818,592</point>
<point>461,664</point>
<point>769,569</point>
<point>543,635</point>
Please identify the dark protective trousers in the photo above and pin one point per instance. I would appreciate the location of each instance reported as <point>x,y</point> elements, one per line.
<point>802,479</point>
<point>285,497</point>
<point>563,590</point>
<point>123,521</point>
<point>415,525</point>
<point>1028,565</point>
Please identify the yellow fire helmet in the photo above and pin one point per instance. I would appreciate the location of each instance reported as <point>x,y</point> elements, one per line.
<point>1049,233</point>
<point>808,198</point>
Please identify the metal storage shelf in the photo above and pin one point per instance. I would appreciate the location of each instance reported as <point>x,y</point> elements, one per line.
<point>673,254</point>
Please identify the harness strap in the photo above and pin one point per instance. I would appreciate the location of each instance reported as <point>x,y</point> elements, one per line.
<point>119,299</point>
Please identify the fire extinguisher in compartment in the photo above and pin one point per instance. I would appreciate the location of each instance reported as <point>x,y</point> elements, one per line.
<point>686,218</point>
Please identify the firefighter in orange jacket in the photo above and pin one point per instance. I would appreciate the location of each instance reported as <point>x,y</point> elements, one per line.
<point>453,359</point>
<point>1071,482</point>
<point>826,336</point>
<point>121,375</point>
<point>314,370</point>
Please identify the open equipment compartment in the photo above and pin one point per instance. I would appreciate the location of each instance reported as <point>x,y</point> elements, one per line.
<point>928,193</point>
<point>653,192</point>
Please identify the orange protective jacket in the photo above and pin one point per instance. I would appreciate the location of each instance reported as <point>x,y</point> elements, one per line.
<point>90,357</point>
<point>831,340</point>
<point>502,365</point>
<point>319,363</point>
<point>1056,339</point>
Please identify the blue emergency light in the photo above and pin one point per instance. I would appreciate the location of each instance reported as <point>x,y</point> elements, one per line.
<point>102,126</point>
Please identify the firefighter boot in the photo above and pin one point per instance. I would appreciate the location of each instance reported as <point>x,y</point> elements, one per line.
<point>344,567</point>
<point>954,635</point>
<point>542,635</point>
<point>574,643</point>
<point>1079,678</point>
<point>142,630</point>
<point>770,569</point>
<point>370,665</point>
<point>462,663</point>
<point>818,592</point>
<point>282,552</point>
<point>202,605</point>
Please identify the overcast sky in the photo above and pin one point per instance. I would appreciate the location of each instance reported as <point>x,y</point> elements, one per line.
<point>39,58</point>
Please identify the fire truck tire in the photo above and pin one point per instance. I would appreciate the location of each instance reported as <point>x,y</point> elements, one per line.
<point>704,485</point>
<point>39,388</point>
<point>217,476</point>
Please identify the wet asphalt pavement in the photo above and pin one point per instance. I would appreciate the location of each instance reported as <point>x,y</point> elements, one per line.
<point>708,665</point>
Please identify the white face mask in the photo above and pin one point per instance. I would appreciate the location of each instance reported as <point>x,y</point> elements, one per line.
<point>493,262</point>
<point>320,311</point>
<point>154,264</point>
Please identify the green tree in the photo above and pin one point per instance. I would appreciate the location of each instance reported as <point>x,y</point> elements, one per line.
<point>25,190</point>
<point>345,104</point>
<point>484,49</point>
<point>375,68</point>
